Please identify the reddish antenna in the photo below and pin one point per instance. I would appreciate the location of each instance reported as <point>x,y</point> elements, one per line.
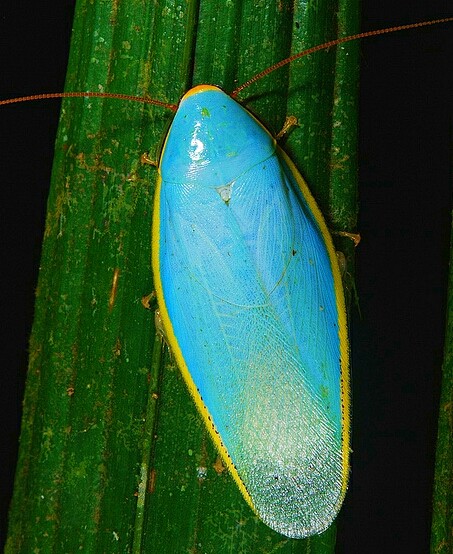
<point>257,77</point>
<point>114,95</point>
<point>331,43</point>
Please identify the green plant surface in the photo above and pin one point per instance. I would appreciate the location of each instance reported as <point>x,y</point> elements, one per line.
<point>113,455</point>
<point>442,520</point>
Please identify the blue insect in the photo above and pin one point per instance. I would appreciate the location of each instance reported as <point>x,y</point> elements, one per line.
<point>251,299</point>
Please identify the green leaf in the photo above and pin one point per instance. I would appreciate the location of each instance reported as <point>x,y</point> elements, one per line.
<point>113,455</point>
<point>442,520</point>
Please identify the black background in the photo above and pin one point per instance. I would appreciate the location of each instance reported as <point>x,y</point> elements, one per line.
<point>405,195</point>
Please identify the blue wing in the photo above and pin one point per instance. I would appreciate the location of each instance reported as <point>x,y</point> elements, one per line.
<point>248,287</point>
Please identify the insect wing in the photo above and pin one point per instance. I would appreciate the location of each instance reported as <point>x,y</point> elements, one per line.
<point>249,298</point>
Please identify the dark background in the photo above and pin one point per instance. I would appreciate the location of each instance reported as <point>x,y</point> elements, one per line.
<point>405,196</point>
